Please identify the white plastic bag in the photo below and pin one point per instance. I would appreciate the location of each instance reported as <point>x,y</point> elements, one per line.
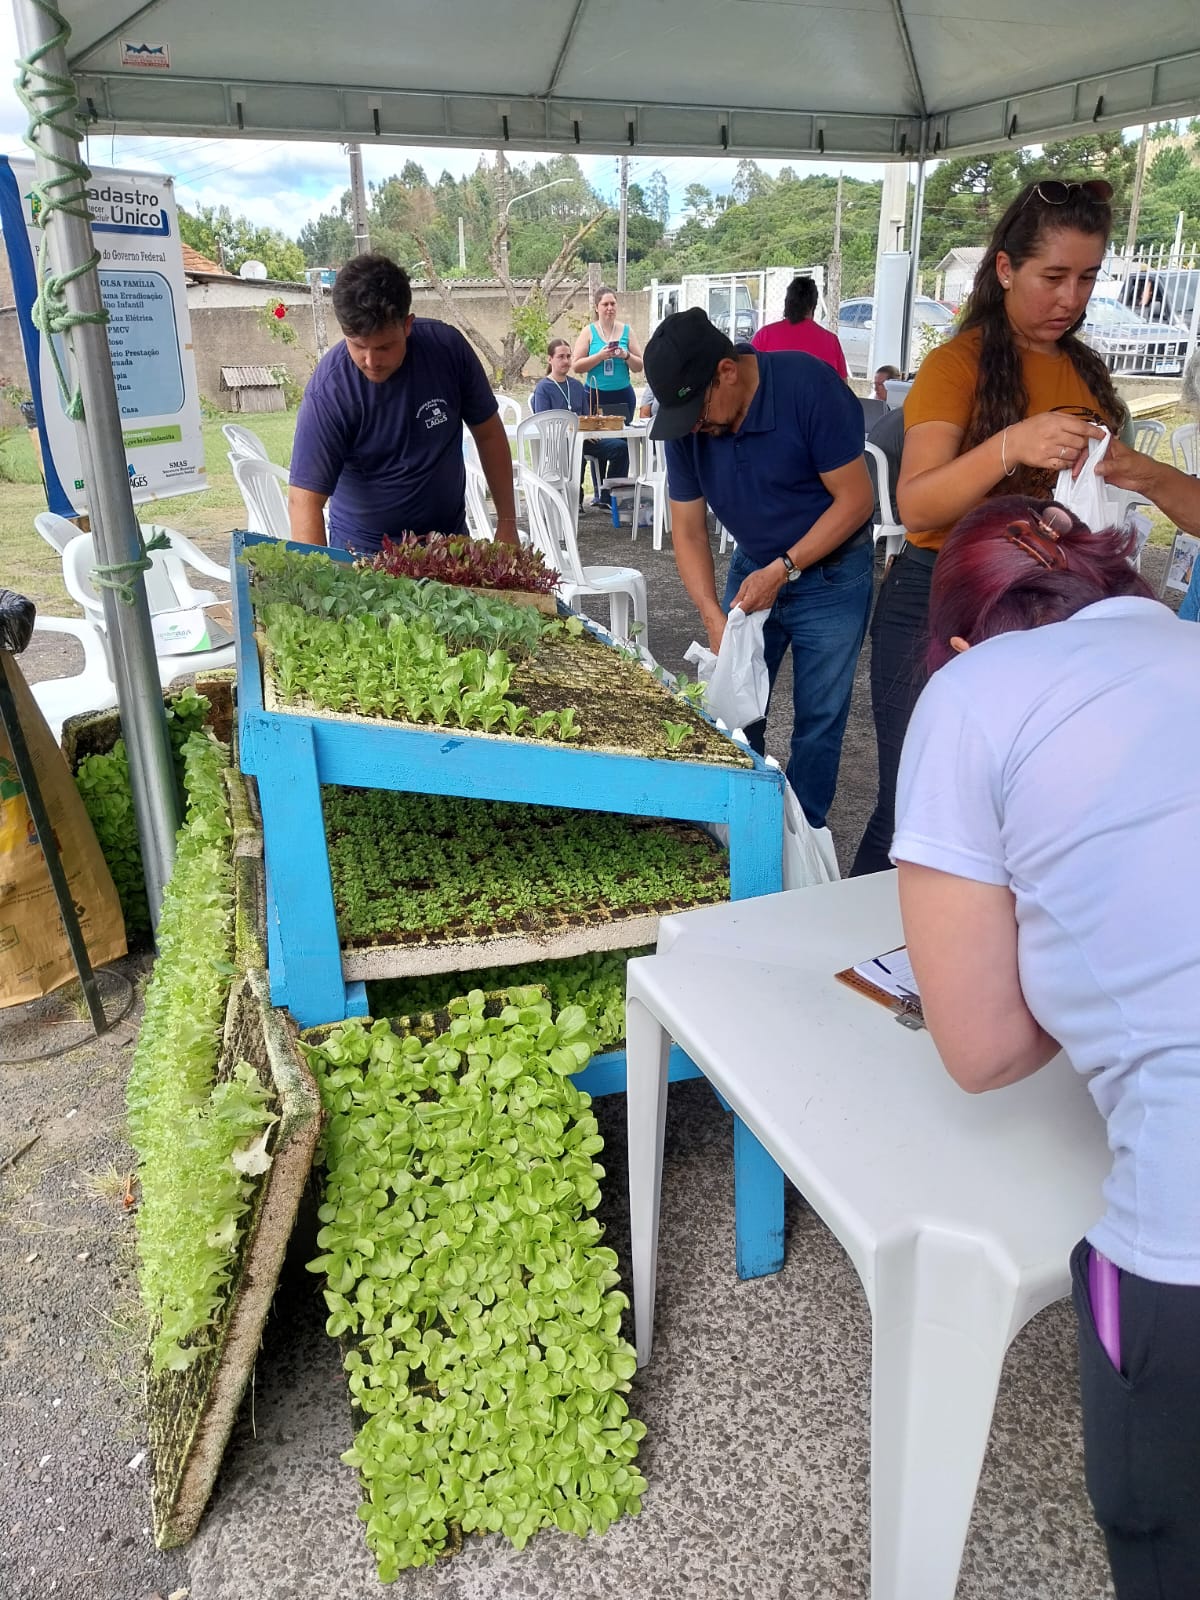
<point>1087,496</point>
<point>809,856</point>
<point>737,680</point>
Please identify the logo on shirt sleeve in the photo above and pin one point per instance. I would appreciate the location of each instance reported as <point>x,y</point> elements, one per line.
<point>434,413</point>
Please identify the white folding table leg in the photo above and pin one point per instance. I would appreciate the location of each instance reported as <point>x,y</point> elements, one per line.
<point>943,1314</point>
<point>647,1046</point>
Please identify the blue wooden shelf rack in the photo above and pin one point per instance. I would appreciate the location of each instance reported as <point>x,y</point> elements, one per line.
<point>292,754</point>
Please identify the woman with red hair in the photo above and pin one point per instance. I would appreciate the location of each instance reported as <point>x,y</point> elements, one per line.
<point>1048,799</point>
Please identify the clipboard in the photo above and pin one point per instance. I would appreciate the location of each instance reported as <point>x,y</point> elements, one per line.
<point>906,1009</point>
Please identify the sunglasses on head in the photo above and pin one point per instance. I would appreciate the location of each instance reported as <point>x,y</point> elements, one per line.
<point>1039,537</point>
<point>1054,192</point>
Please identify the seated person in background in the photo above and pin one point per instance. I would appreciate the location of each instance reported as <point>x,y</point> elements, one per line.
<point>558,391</point>
<point>379,432</point>
<point>798,331</point>
<point>883,376</point>
<point>1049,792</point>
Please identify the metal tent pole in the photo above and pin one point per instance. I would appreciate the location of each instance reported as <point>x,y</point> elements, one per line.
<point>914,244</point>
<point>115,530</point>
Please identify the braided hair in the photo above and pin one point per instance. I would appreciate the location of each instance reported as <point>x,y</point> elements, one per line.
<point>1001,398</point>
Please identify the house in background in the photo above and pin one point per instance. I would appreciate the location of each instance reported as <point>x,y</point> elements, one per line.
<point>956,273</point>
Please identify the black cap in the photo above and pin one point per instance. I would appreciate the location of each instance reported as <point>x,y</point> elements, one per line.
<point>680,361</point>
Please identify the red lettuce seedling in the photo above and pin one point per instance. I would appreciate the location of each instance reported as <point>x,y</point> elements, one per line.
<point>469,563</point>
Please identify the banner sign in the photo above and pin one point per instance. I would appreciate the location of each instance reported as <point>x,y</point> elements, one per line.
<point>136,230</point>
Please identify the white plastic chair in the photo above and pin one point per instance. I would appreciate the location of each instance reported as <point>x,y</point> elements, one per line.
<point>552,531</point>
<point>653,478</point>
<point>1184,450</point>
<point>244,441</point>
<point>264,491</point>
<point>510,410</point>
<point>891,532</point>
<point>167,589</point>
<point>546,446</point>
<point>57,531</point>
<point>479,522</point>
<point>91,689</point>
<point>1148,435</point>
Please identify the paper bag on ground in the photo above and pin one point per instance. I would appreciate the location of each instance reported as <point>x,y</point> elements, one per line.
<point>34,955</point>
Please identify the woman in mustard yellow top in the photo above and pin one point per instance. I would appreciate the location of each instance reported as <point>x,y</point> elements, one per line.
<point>1000,408</point>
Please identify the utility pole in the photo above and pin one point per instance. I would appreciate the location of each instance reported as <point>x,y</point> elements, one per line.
<point>358,201</point>
<point>502,202</point>
<point>316,287</point>
<point>462,246</point>
<point>1135,203</point>
<point>623,226</point>
<point>833,292</point>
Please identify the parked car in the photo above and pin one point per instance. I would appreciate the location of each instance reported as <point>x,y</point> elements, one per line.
<point>856,320</point>
<point>1127,342</point>
<point>1163,294</point>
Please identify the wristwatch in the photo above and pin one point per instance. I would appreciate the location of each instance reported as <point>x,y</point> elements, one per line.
<point>793,571</point>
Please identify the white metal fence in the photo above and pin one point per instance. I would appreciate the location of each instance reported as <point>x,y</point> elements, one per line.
<point>1145,310</point>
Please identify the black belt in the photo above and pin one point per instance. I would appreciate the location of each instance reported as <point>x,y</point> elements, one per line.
<point>854,542</point>
<point>917,553</point>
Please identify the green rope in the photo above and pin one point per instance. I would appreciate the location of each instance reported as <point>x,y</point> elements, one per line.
<point>51,102</point>
<point>120,575</point>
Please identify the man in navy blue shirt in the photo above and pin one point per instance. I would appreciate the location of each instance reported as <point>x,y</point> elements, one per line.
<point>774,443</point>
<point>379,434</point>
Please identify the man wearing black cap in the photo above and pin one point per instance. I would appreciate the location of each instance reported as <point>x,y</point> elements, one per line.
<point>774,443</point>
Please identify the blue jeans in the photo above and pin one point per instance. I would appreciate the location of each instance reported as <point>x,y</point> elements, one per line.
<point>823,617</point>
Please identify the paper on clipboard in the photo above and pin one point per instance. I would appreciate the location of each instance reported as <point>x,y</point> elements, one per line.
<point>892,972</point>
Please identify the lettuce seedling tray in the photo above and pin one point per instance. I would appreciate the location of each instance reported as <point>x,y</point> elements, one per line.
<point>292,752</point>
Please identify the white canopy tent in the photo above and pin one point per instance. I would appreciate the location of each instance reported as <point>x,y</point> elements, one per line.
<point>865,79</point>
<point>881,80</point>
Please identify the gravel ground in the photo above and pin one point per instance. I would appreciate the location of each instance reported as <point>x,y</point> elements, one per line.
<point>75,1515</point>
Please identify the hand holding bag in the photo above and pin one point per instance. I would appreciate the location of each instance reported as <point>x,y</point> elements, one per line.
<point>738,686</point>
<point>1087,496</point>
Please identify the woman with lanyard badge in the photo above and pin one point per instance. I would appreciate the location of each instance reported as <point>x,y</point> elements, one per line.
<point>605,354</point>
<point>1000,408</point>
<point>558,391</point>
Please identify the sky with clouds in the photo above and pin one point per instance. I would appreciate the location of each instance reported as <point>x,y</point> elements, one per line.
<point>287,183</point>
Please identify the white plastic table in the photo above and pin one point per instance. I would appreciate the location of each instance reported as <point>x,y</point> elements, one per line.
<point>958,1211</point>
<point>635,435</point>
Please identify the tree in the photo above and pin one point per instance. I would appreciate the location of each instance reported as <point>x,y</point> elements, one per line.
<point>658,197</point>
<point>231,240</point>
<point>749,182</point>
<point>698,203</point>
<point>533,309</point>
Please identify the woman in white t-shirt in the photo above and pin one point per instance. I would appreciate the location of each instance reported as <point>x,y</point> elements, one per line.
<point>1049,784</point>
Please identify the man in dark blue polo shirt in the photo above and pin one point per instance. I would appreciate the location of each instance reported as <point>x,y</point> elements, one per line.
<point>774,443</point>
<point>379,434</point>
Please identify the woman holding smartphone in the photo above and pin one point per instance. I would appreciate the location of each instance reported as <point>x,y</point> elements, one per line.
<point>1049,793</point>
<point>605,354</point>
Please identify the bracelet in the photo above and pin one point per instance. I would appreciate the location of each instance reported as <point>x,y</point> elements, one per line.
<point>1008,471</point>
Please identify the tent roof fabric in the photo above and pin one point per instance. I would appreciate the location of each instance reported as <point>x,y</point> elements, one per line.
<point>877,80</point>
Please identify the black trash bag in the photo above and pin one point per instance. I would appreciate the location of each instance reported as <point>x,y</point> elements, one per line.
<point>16,621</point>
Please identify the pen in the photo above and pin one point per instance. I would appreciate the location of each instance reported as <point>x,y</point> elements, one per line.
<point>881,966</point>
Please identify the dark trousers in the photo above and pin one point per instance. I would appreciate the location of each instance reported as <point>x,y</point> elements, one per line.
<point>610,457</point>
<point>1141,1434</point>
<point>899,637</point>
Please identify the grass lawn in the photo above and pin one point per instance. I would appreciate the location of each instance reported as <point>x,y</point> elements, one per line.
<point>31,567</point>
